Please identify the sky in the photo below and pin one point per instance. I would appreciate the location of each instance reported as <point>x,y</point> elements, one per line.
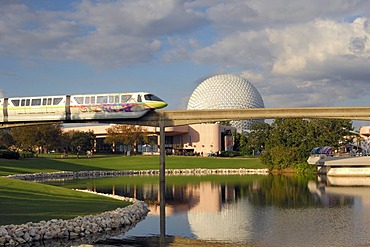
<point>296,53</point>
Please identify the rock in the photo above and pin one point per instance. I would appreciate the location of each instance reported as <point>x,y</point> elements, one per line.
<point>27,237</point>
<point>47,235</point>
<point>11,242</point>
<point>32,231</point>
<point>20,240</point>
<point>2,240</point>
<point>73,235</point>
<point>19,232</point>
<point>3,231</point>
<point>36,237</point>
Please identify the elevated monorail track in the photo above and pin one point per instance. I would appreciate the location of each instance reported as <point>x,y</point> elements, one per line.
<point>170,118</point>
<point>184,117</point>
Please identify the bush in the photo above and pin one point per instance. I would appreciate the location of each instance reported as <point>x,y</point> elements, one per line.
<point>304,167</point>
<point>8,154</point>
<point>229,154</point>
<point>281,157</point>
<point>27,154</point>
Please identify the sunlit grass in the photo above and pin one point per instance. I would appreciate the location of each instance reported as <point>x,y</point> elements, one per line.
<point>22,201</point>
<point>52,164</point>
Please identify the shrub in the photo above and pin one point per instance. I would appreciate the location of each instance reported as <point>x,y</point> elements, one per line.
<point>281,157</point>
<point>8,154</point>
<point>304,167</point>
<point>229,153</point>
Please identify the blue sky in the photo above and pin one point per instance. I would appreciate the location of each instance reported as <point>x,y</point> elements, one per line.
<point>296,53</point>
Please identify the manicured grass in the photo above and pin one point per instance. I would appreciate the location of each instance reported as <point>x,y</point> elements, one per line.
<point>52,164</point>
<point>22,201</point>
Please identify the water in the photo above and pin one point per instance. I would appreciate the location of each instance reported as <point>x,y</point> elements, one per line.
<point>248,210</point>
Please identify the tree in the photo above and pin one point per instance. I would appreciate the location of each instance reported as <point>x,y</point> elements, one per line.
<point>128,135</point>
<point>81,140</point>
<point>258,136</point>
<point>49,136</point>
<point>65,141</point>
<point>25,137</point>
<point>6,139</point>
<point>46,136</point>
<point>290,140</point>
<point>240,142</point>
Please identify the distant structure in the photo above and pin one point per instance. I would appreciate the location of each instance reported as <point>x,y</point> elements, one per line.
<point>227,91</point>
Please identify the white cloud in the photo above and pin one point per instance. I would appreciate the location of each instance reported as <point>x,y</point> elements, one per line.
<point>296,53</point>
<point>307,61</point>
<point>105,34</point>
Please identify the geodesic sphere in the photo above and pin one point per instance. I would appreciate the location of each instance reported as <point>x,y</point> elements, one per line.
<point>227,92</point>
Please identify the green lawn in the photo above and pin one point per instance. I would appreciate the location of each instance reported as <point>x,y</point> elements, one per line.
<point>52,164</point>
<point>22,201</point>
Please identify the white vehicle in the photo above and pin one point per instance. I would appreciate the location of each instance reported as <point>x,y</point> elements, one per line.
<point>78,107</point>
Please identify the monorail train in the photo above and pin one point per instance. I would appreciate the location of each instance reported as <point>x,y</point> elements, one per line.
<point>78,107</point>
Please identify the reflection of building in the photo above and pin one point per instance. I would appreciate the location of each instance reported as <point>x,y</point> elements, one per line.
<point>214,211</point>
<point>197,138</point>
<point>203,197</point>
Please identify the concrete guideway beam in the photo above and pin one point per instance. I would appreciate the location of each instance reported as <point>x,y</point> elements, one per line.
<point>184,117</point>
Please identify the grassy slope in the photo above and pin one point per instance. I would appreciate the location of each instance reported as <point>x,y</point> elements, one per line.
<point>22,201</point>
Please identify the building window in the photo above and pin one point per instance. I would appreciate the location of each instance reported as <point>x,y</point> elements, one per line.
<point>181,140</point>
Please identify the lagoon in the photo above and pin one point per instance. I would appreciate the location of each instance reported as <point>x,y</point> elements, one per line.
<point>250,210</point>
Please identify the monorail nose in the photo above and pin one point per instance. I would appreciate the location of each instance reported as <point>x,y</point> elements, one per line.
<point>157,104</point>
<point>161,105</point>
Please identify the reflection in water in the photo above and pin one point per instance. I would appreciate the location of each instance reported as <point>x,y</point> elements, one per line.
<point>260,210</point>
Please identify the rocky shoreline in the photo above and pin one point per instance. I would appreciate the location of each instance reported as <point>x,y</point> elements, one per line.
<point>65,175</point>
<point>82,226</point>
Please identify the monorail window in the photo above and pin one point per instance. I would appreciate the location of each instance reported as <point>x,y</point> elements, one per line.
<point>92,99</point>
<point>139,98</point>
<point>125,98</point>
<point>25,102</point>
<point>79,100</point>
<point>15,102</point>
<point>36,102</point>
<point>102,99</point>
<point>46,101</point>
<point>56,101</point>
<point>116,98</point>
<point>87,100</point>
<point>152,97</point>
<point>110,99</point>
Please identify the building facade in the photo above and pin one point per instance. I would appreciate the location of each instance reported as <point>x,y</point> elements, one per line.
<point>196,139</point>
